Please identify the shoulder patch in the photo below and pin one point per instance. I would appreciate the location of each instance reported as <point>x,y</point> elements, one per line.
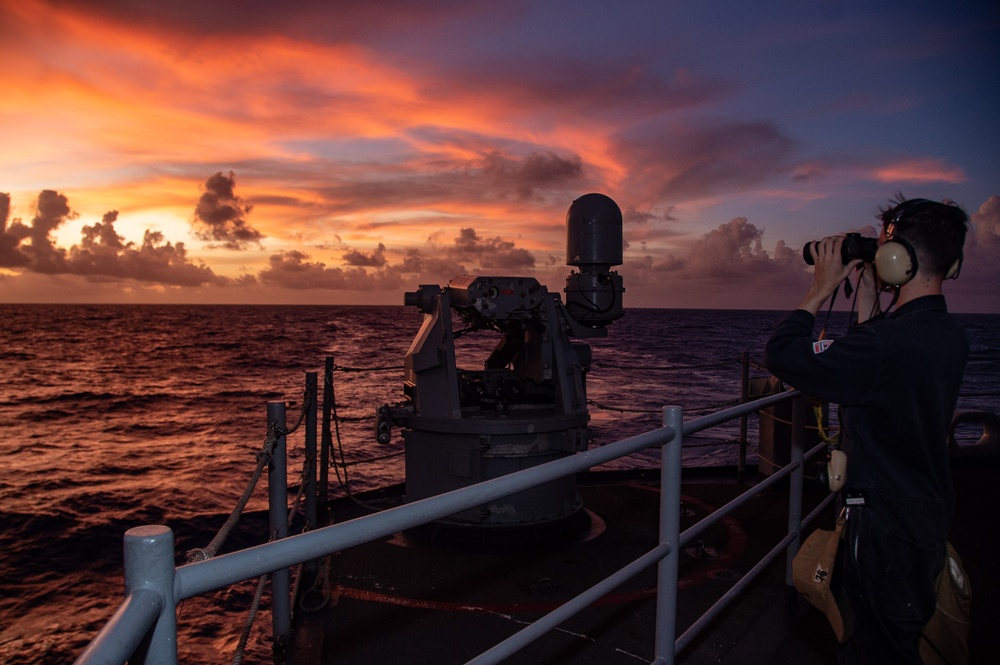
<point>822,345</point>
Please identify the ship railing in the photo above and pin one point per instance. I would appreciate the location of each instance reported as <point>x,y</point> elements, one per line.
<point>143,630</point>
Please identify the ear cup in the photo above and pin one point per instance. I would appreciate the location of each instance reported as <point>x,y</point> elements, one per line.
<point>837,469</point>
<point>896,262</point>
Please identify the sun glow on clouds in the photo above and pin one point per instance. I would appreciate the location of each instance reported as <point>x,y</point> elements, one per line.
<point>377,147</point>
<point>920,171</point>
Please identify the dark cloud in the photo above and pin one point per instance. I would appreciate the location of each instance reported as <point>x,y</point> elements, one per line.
<point>367,272</point>
<point>635,216</point>
<point>496,176</point>
<point>374,260</point>
<point>293,270</point>
<point>101,254</point>
<point>431,268</point>
<point>690,162</point>
<point>316,20</point>
<point>490,253</point>
<point>43,255</point>
<point>523,177</point>
<point>220,216</point>
<point>38,254</point>
<point>11,255</point>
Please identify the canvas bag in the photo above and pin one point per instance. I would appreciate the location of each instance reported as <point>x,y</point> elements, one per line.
<point>945,638</point>
<point>812,573</point>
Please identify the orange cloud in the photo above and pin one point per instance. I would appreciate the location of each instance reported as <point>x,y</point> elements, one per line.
<point>920,171</point>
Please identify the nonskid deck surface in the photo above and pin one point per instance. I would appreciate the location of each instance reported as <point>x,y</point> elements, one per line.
<point>404,599</point>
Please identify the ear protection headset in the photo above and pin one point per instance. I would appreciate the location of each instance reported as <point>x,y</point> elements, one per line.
<point>896,260</point>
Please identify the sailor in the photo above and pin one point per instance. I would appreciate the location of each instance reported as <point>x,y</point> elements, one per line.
<point>896,376</point>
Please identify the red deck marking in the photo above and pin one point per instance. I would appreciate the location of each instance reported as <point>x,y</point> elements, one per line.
<point>735,547</point>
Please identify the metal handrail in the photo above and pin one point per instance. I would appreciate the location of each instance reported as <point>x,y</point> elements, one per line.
<point>149,552</point>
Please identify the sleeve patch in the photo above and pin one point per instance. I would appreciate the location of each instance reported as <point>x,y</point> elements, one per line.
<point>822,345</point>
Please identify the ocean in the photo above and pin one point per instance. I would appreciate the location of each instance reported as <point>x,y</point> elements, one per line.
<point>114,416</point>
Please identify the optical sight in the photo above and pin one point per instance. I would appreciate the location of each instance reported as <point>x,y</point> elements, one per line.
<point>853,247</point>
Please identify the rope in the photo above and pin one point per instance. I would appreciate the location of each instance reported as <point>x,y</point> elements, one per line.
<point>320,586</point>
<point>307,467</point>
<point>248,623</point>
<point>264,457</point>
<point>308,397</point>
<point>332,452</point>
<point>371,459</point>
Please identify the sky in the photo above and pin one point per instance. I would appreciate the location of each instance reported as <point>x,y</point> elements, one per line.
<point>324,152</point>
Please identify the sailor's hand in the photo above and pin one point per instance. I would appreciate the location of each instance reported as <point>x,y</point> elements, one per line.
<point>830,271</point>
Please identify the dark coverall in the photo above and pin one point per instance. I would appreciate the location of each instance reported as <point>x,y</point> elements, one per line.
<point>897,380</point>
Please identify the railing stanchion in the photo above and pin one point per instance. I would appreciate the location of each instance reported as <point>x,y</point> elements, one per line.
<point>326,439</point>
<point>149,565</point>
<point>800,415</point>
<point>310,450</point>
<point>277,492</point>
<point>741,468</point>
<point>670,529</point>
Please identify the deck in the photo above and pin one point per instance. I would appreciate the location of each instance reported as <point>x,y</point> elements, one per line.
<point>406,599</point>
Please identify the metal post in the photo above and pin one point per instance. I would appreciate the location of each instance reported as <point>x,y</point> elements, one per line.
<point>326,441</point>
<point>149,565</point>
<point>670,529</point>
<point>800,415</point>
<point>277,493</point>
<point>741,469</point>
<point>310,475</point>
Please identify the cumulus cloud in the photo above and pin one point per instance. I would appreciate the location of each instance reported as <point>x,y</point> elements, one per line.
<point>734,252</point>
<point>490,253</point>
<point>11,255</point>
<point>31,246</point>
<point>374,260</point>
<point>467,253</point>
<point>101,254</point>
<point>982,247</point>
<point>220,216</point>
<point>294,270</point>
<point>985,236</point>
<point>727,264</point>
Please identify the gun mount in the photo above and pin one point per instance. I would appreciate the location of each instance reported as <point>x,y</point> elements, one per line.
<point>527,404</point>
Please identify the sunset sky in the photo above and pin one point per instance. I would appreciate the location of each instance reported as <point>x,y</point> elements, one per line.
<point>346,152</point>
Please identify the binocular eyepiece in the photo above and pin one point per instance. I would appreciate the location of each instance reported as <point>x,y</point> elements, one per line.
<point>853,247</point>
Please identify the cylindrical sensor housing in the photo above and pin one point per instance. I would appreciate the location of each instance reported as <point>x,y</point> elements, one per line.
<point>594,233</point>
